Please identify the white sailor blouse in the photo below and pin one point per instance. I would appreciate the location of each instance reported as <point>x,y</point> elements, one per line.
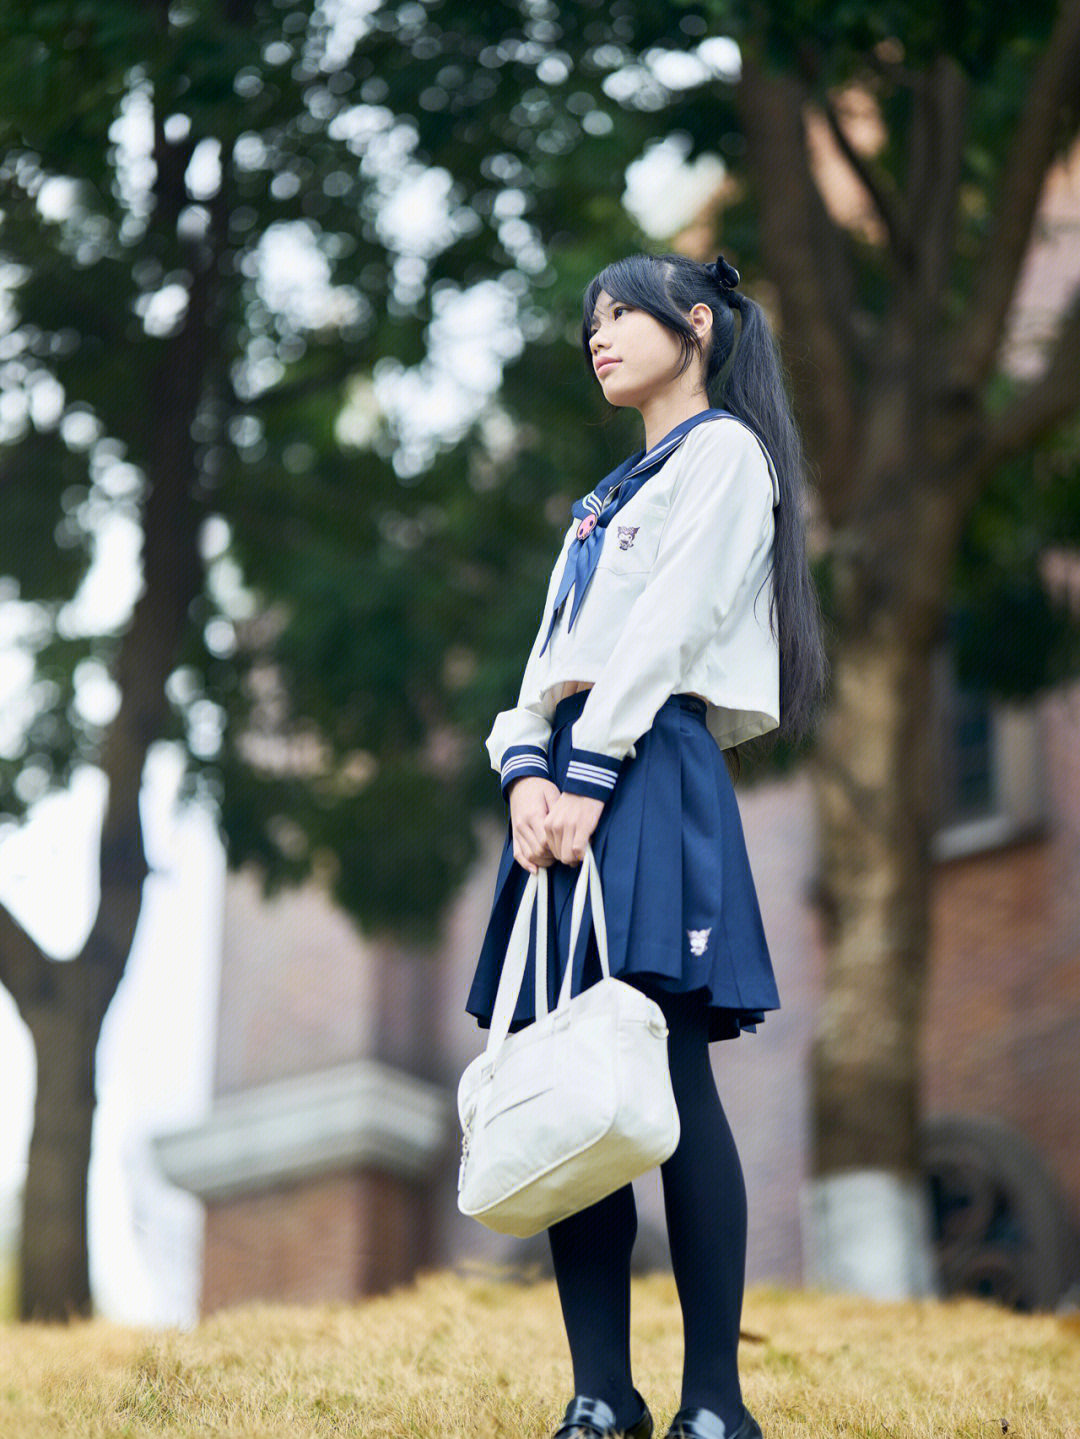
<point>676,600</point>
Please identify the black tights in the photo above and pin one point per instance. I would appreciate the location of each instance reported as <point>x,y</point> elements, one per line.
<point>705,1204</point>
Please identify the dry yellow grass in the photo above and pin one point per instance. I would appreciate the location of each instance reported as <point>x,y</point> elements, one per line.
<point>451,1357</point>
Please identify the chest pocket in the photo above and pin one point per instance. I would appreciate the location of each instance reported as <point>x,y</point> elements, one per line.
<point>633,537</point>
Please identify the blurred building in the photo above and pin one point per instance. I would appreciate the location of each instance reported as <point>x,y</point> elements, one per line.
<point>330,1116</point>
<point>328,1163</point>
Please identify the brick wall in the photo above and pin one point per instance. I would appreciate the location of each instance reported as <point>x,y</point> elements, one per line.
<point>1003,1026</point>
<point>302,991</point>
<point>299,987</point>
<point>326,1240</point>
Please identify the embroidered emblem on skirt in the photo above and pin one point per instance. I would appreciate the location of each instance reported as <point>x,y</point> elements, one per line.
<point>699,938</point>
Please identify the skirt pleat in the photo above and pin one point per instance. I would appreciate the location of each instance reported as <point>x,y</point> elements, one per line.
<point>680,906</point>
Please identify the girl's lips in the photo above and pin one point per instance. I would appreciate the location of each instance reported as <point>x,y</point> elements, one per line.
<point>604,365</point>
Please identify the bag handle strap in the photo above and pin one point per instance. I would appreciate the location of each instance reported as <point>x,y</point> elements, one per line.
<point>589,878</point>
<point>540,1004</point>
<point>513,970</point>
<point>535,896</point>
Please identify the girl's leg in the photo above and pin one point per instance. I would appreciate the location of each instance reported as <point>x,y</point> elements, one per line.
<point>705,1203</point>
<point>591,1253</point>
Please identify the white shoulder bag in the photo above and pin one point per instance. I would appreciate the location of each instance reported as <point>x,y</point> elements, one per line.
<point>574,1105</point>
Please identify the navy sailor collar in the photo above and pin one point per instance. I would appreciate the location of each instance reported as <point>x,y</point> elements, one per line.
<point>596,510</point>
<point>646,463</point>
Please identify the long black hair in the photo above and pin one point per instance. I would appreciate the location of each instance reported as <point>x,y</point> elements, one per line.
<point>743,374</point>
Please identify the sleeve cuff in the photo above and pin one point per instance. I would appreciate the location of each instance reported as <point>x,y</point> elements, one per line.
<point>520,760</point>
<point>591,774</point>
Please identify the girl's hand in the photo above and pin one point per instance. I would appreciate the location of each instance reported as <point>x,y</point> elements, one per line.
<point>531,797</point>
<point>569,826</point>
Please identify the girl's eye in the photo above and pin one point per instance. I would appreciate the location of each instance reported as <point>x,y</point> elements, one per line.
<point>617,310</point>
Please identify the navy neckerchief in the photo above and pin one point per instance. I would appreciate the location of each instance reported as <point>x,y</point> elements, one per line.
<point>598,508</point>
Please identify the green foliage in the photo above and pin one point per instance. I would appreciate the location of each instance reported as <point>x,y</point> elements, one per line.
<point>844,37</point>
<point>42,547</point>
<point>1011,635</point>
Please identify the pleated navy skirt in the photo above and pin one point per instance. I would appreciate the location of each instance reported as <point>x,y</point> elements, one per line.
<point>681,909</point>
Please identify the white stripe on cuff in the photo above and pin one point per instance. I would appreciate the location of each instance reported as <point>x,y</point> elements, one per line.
<point>591,773</point>
<point>518,761</point>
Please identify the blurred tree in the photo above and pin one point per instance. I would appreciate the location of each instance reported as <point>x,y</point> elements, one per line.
<point>895,326</point>
<point>332,607</point>
<point>325,624</point>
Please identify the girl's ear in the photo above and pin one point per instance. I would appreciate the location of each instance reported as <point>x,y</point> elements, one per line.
<point>701,318</point>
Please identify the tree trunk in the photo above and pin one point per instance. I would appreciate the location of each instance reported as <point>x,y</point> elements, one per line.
<point>55,1278</point>
<point>865,1212</point>
<point>64,1004</point>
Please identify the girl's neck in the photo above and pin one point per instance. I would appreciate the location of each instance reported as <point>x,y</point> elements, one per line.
<point>663,412</point>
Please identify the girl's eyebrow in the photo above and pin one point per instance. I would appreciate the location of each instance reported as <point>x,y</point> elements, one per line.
<point>615,305</point>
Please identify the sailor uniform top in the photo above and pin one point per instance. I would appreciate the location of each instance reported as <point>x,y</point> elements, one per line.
<point>675,598</point>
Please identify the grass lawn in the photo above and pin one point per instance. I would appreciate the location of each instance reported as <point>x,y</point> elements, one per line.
<point>452,1358</point>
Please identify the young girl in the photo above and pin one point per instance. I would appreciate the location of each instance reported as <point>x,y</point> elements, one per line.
<point>680,621</point>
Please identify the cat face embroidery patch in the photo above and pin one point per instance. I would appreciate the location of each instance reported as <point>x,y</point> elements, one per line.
<point>699,938</point>
<point>626,535</point>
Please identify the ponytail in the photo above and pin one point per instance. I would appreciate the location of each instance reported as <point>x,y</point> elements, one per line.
<point>754,389</point>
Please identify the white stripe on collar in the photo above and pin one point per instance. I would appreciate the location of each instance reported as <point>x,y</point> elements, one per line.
<point>663,450</point>
<point>666,447</point>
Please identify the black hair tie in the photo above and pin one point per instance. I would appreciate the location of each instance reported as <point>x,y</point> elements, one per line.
<point>726,275</point>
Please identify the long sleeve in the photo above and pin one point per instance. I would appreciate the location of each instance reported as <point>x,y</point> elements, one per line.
<point>716,537</point>
<point>518,742</point>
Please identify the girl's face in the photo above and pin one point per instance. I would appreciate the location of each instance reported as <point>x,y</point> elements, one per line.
<point>636,358</point>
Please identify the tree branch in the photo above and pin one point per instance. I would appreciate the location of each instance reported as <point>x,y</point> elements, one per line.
<point>1045,403</point>
<point>805,252</point>
<point>23,965</point>
<point>172,577</point>
<point>895,71</point>
<point>941,115</point>
<point>887,199</point>
<point>1028,160</point>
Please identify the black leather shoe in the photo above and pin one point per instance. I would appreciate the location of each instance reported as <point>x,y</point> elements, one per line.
<point>593,1419</point>
<point>704,1424</point>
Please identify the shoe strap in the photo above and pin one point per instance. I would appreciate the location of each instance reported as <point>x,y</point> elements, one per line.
<point>584,1413</point>
<point>698,1424</point>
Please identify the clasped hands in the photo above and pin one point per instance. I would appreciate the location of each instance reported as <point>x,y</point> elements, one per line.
<point>548,825</point>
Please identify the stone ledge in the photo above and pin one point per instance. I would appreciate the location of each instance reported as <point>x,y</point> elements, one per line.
<point>989,832</point>
<point>360,1115</point>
